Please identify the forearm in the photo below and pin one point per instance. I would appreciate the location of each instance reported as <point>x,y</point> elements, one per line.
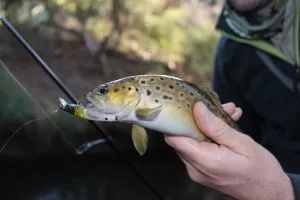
<point>295,180</point>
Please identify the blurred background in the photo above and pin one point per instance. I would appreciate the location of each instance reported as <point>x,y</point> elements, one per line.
<point>87,43</point>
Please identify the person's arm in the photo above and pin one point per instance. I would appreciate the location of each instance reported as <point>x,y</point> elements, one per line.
<point>236,165</point>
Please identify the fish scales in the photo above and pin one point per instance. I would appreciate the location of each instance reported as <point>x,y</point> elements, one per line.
<point>181,92</point>
<point>158,102</point>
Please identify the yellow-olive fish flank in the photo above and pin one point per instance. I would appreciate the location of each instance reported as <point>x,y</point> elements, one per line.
<point>158,102</point>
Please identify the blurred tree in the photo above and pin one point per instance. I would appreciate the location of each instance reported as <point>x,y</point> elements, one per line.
<point>174,32</point>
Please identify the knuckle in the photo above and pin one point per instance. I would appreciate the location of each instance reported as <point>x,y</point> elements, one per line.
<point>220,129</point>
<point>247,138</point>
<point>206,182</point>
<point>231,104</point>
<point>194,176</point>
<point>247,141</point>
<point>222,183</point>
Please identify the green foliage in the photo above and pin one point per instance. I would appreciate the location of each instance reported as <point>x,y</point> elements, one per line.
<point>150,29</point>
<point>200,51</point>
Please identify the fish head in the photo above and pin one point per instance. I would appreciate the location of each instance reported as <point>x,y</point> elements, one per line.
<point>111,101</point>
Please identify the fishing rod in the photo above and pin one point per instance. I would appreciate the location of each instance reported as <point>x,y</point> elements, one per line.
<point>72,97</point>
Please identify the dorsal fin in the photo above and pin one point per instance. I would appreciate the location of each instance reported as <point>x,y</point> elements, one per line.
<point>214,99</point>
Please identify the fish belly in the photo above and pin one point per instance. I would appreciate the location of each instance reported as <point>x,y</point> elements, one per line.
<point>174,121</point>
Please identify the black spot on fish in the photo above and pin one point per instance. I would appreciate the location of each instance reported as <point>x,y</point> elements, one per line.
<point>157,87</point>
<point>106,118</point>
<point>170,98</point>
<point>179,107</point>
<point>129,88</point>
<point>188,105</point>
<point>156,101</point>
<point>171,86</point>
<point>116,118</point>
<point>123,87</point>
<point>161,78</point>
<point>136,89</point>
<point>177,83</point>
<point>143,82</point>
<point>148,92</point>
<point>116,90</point>
<point>191,93</point>
<point>152,79</point>
<point>165,97</point>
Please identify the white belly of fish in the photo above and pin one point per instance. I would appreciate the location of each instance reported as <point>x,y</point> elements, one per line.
<point>172,121</point>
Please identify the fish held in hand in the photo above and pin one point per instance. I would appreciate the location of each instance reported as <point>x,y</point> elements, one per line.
<point>158,102</point>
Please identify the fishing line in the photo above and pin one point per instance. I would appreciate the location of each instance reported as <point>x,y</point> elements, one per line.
<point>38,105</point>
<point>26,123</point>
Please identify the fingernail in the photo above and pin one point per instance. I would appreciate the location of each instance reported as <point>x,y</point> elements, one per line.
<point>167,140</point>
<point>203,110</point>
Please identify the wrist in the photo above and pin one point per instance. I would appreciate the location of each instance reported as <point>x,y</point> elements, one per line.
<point>281,189</point>
<point>284,190</point>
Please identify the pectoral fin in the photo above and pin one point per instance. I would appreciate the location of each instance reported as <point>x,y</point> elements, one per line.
<point>139,138</point>
<point>148,112</point>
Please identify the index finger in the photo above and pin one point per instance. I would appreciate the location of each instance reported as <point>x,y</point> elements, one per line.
<point>193,149</point>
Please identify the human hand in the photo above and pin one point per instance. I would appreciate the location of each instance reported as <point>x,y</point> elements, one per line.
<point>236,166</point>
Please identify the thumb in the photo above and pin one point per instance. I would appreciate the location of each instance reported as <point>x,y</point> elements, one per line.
<point>217,130</point>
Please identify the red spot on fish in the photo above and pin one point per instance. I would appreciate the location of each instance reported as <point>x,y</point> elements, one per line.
<point>182,94</point>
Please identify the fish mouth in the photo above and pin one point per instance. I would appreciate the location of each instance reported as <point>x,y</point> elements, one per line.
<point>91,101</point>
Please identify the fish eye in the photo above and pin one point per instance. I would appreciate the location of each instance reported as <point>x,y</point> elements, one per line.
<point>103,90</point>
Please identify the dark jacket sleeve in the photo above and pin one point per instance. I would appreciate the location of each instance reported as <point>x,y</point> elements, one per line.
<point>295,179</point>
<point>271,112</point>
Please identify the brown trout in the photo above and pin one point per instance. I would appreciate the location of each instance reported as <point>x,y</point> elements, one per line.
<point>158,102</point>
